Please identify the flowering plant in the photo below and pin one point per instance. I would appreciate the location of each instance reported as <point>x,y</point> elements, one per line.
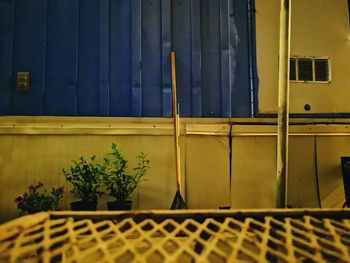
<point>37,199</point>
<point>85,176</point>
<point>117,181</point>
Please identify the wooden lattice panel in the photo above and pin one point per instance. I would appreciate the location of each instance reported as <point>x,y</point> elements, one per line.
<point>182,236</point>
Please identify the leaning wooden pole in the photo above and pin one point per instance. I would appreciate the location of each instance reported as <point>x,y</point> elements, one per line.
<point>283,103</point>
<point>176,122</point>
<point>178,202</point>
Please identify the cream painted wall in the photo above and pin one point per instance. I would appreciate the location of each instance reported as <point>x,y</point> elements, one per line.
<point>26,159</point>
<point>319,28</point>
<point>36,148</point>
<point>207,171</point>
<point>254,171</point>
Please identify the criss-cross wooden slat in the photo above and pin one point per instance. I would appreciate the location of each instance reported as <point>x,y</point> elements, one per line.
<point>178,236</point>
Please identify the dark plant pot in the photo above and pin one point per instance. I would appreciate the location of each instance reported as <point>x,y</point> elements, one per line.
<point>119,205</point>
<point>84,206</point>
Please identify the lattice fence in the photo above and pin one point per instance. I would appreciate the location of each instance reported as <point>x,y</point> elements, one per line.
<point>190,236</point>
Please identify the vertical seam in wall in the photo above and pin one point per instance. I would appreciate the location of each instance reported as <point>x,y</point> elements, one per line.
<point>226,91</point>
<point>162,59</point>
<point>103,58</point>
<point>191,51</point>
<point>45,57</point>
<point>141,112</point>
<point>254,58</point>
<point>171,24</point>
<point>109,56</point>
<point>349,16</point>
<point>166,23</point>
<point>251,86</point>
<point>231,52</point>
<point>77,62</point>
<point>196,72</point>
<point>160,66</point>
<point>230,160</point>
<point>136,106</point>
<point>316,173</point>
<point>201,37</point>
<point>220,57</point>
<point>12,80</point>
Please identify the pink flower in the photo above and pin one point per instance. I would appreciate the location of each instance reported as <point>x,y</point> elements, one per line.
<point>19,199</point>
<point>60,190</point>
<point>32,188</point>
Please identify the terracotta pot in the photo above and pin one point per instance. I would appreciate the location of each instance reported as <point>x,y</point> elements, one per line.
<point>84,205</point>
<point>119,205</point>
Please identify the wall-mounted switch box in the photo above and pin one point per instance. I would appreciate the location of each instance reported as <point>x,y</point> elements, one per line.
<point>22,81</point>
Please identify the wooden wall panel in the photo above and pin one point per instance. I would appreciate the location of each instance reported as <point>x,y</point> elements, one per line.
<point>302,181</point>
<point>26,159</point>
<point>207,172</point>
<point>329,151</point>
<point>33,149</point>
<point>158,191</point>
<point>253,182</point>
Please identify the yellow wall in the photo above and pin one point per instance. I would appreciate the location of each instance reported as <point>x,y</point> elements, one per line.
<point>319,28</point>
<point>36,148</point>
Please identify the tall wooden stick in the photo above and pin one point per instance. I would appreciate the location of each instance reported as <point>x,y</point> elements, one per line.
<point>283,103</point>
<point>176,121</point>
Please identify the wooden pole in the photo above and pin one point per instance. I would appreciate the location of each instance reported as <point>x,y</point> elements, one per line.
<point>283,103</point>
<point>176,121</point>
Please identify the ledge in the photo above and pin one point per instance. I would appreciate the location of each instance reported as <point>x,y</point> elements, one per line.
<point>23,125</point>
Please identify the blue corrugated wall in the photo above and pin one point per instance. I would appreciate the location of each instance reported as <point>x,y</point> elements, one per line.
<point>111,57</point>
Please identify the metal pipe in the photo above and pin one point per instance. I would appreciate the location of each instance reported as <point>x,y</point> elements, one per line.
<point>283,104</point>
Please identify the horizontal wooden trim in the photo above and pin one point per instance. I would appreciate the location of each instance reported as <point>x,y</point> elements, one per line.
<point>164,126</point>
<point>204,212</point>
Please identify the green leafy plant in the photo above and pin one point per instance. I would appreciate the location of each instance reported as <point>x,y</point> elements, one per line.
<point>86,177</point>
<point>117,181</point>
<point>38,199</point>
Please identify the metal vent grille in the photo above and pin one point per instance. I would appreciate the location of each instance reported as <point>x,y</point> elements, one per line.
<point>321,70</point>
<point>293,73</point>
<point>305,69</point>
<point>310,69</point>
<point>191,236</point>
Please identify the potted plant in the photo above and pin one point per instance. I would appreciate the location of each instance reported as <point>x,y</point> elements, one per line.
<point>118,182</point>
<point>85,176</point>
<point>38,199</point>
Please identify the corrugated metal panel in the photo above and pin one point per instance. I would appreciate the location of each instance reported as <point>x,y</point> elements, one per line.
<point>62,42</point>
<point>121,56</point>
<point>29,55</point>
<point>6,50</point>
<point>89,82</point>
<point>111,58</point>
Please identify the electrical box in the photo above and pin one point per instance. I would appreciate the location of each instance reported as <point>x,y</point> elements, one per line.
<point>22,81</point>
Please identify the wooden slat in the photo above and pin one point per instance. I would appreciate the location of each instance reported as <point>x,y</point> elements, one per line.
<point>179,236</point>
